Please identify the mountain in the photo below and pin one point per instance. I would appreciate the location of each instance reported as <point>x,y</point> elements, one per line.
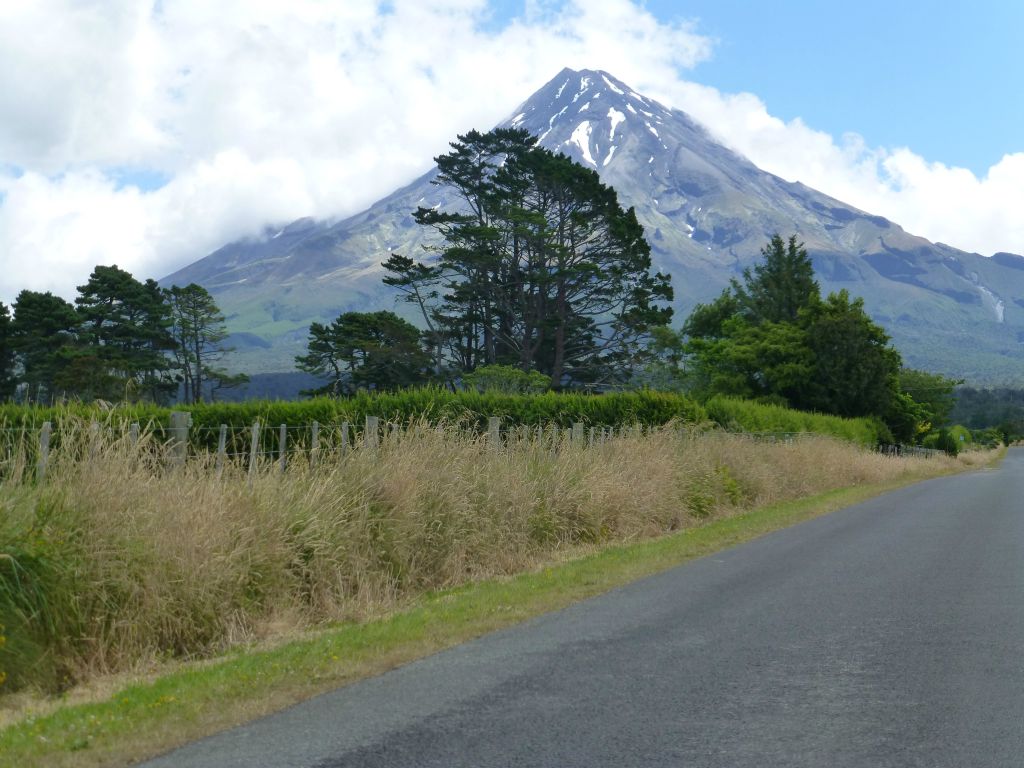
<point>706,210</point>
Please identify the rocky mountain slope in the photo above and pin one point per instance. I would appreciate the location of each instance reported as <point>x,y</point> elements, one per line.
<point>706,210</point>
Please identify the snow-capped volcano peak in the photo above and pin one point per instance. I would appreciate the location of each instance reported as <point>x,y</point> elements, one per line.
<point>588,115</point>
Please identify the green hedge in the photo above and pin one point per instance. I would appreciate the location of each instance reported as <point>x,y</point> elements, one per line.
<point>749,416</point>
<point>471,409</point>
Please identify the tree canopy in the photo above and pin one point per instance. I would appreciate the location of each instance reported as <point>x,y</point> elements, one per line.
<point>365,350</point>
<point>122,339</point>
<point>539,267</point>
<point>198,329</point>
<point>124,336</point>
<point>772,336</point>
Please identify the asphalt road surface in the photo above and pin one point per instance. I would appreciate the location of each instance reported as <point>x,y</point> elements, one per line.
<point>887,634</point>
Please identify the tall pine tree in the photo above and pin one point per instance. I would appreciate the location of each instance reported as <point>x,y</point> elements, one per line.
<point>779,286</point>
<point>199,330</point>
<point>125,336</point>
<point>539,266</point>
<point>43,336</point>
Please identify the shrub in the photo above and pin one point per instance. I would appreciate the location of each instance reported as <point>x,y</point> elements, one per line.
<point>507,379</point>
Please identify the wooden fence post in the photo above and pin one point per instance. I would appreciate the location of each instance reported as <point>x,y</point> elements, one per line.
<point>222,448</point>
<point>282,447</point>
<point>94,439</point>
<point>344,437</point>
<point>252,450</point>
<point>494,432</point>
<point>133,434</point>
<point>371,437</point>
<point>179,437</point>
<point>577,432</point>
<point>314,445</point>
<point>44,452</point>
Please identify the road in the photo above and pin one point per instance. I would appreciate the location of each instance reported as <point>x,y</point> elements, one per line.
<point>890,633</point>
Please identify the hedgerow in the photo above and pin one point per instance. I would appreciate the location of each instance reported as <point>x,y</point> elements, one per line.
<point>468,409</point>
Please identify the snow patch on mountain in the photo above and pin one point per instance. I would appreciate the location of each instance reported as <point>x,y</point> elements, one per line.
<point>615,117</point>
<point>551,123</point>
<point>612,86</point>
<point>581,138</point>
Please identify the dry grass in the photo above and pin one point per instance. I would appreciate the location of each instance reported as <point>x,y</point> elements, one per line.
<point>117,562</point>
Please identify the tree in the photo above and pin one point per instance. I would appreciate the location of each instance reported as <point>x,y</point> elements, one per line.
<point>934,392</point>
<point>198,328</point>
<point>8,381</point>
<point>855,370</point>
<point>707,320</point>
<point>768,361</point>
<point>774,337</point>
<point>126,335</point>
<point>43,335</point>
<point>778,287</point>
<point>539,268</point>
<point>365,350</point>
<point>665,369</point>
<point>418,284</point>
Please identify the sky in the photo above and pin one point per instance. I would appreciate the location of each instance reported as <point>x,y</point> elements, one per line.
<point>148,133</point>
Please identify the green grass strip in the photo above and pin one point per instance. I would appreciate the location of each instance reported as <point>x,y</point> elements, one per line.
<point>145,719</point>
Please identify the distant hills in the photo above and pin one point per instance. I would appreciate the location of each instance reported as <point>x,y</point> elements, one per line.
<point>706,211</point>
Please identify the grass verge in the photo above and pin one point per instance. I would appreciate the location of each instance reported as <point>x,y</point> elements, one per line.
<point>148,717</point>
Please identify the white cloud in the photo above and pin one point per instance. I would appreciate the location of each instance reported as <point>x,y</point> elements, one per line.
<point>259,112</point>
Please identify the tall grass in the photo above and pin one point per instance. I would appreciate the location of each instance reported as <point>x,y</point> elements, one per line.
<point>118,560</point>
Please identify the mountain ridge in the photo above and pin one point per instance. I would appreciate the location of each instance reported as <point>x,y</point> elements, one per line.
<point>706,210</point>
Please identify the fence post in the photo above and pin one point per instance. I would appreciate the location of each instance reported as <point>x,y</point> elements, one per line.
<point>577,432</point>
<point>344,437</point>
<point>94,439</point>
<point>44,452</point>
<point>179,437</point>
<point>314,445</point>
<point>282,445</point>
<point>494,432</point>
<point>133,434</point>
<point>222,448</point>
<point>590,438</point>
<point>371,436</point>
<point>252,450</point>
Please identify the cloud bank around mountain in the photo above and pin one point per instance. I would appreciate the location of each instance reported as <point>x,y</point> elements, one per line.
<point>147,133</point>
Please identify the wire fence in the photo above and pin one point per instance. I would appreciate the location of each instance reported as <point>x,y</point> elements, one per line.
<point>27,453</point>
